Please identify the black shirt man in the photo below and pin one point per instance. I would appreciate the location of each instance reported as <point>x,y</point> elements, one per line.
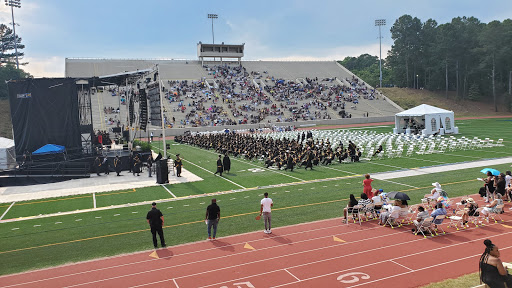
<point>155,220</point>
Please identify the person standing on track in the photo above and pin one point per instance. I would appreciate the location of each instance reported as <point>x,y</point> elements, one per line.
<point>212,218</point>
<point>155,220</point>
<point>266,210</point>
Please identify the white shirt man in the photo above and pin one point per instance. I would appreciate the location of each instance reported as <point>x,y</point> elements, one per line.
<point>266,209</point>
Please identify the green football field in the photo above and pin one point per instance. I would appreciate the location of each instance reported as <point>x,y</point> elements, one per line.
<point>299,196</point>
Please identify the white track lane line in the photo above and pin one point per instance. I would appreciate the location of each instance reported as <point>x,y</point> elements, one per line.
<point>1,217</point>
<point>209,171</point>
<point>292,275</point>
<point>369,264</point>
<point>292,254</point>
<point>172,194</point>
<point>216,248</point>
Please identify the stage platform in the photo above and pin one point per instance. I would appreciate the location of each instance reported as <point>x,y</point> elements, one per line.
<point>93,184</point>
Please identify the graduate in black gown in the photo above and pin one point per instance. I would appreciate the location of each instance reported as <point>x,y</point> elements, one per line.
<point>178,164</point>
<point>117,165</point>
<point>226,163</point>
<point>220,167</point>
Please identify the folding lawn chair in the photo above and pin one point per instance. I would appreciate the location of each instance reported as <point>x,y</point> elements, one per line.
<point>356,214</point>
<point>478,217</point>
<point>499,209</point>
<point>456,220</point>
<point>424,226</point>
<point>393,219</point>
<point>438,226</point>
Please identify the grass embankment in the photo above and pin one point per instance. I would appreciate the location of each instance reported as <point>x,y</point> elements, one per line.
<point>408,98</point>
<point>5,119</point>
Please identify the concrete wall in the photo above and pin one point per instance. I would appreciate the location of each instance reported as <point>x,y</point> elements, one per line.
<point>298,124</point>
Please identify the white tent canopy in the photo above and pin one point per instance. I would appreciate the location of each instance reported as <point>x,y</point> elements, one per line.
<point>7,154</point>
<point>426,120</point>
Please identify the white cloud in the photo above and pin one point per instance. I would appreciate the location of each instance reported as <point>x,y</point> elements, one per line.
<point>45,67</point>
<point>337,53</point>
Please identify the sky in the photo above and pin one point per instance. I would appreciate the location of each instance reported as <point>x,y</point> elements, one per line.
<point>53,30</point>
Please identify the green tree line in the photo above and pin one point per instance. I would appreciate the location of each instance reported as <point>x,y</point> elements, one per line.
<point>8,69</point>
<point>467,56</point>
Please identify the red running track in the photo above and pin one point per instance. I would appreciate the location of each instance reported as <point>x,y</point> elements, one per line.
<point>305,255</point>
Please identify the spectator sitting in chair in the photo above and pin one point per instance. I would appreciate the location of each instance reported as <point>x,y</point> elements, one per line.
<point>469,210</point>
<point>377,199</point>
<point>491,207</point>
<point>422,215</point>
<point>385,215</point>
<point>351,203</point>
<point>439,211</point>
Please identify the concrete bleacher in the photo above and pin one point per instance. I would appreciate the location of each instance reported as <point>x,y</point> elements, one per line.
<point>192,71</point>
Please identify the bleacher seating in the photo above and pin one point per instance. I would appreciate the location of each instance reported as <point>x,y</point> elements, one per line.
<point>255,92</point>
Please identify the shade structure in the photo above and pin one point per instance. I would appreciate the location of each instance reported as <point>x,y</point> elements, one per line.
<point>49,149</point>
<point>425,120</point>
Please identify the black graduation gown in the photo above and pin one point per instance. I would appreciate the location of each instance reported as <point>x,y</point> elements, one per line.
<point>220,167</point>
<point>226,163</point>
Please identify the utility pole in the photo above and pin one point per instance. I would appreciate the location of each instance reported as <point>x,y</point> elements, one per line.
<point>380,22</point>
<point>17,4</point>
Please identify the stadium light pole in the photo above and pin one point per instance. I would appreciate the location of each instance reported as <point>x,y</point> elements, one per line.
<point>380,22</point>
<point>213,16</point>
<point>17,4</point>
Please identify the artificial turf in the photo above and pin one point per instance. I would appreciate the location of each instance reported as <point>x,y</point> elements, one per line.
<point>70,238</point>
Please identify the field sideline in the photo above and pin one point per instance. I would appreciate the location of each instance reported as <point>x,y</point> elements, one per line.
<point>300,196</point>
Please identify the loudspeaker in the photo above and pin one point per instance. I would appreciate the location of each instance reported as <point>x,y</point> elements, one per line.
<point>162,174</point>
<point>126,135</point>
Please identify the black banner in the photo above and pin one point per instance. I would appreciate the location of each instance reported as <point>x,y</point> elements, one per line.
<point>44,111</point>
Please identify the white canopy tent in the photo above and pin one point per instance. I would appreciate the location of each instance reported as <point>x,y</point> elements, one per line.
<point>7,154</point>
<point>426,120</point>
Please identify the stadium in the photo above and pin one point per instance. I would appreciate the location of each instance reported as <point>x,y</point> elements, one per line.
<point>95,150</point>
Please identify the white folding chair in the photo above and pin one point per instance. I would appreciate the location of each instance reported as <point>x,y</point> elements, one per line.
<point>424,226</point>
<point>499,209</point>
<point>456,219</point>
<point>392,219</point>
<point>438,226</point>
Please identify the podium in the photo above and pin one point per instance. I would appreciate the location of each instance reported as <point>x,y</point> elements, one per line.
<point>162,173</point>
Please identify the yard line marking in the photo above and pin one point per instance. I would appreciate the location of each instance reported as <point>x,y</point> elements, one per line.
<point>58,222</point>
<point>248,163</point>
<point>402,265</point>
<point>186,205</point>
<point>246,197</point>
<point>169,207</point>
<point>78,220</point>
<point>399,183</point>
<point>425,160</point>
<point>37,225</point>
<point>135,212</point>
<point>292,275</point>
<point>15,228</point>
<point>202,203</point>
<point>98,217</point>
<point>209,171</point>
<point>1,217</point>
<point>94,199</point>
<point>168,190</point>
<point>232,199</point>
<point>116,215</point>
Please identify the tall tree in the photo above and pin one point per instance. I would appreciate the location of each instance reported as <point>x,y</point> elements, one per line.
<point>406,35</point>
<point>7,46</point>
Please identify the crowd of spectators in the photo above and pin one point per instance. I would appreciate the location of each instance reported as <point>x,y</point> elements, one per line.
<point>236,96</point>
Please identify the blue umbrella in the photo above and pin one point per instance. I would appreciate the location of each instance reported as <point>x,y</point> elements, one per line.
<point>493,171</point>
